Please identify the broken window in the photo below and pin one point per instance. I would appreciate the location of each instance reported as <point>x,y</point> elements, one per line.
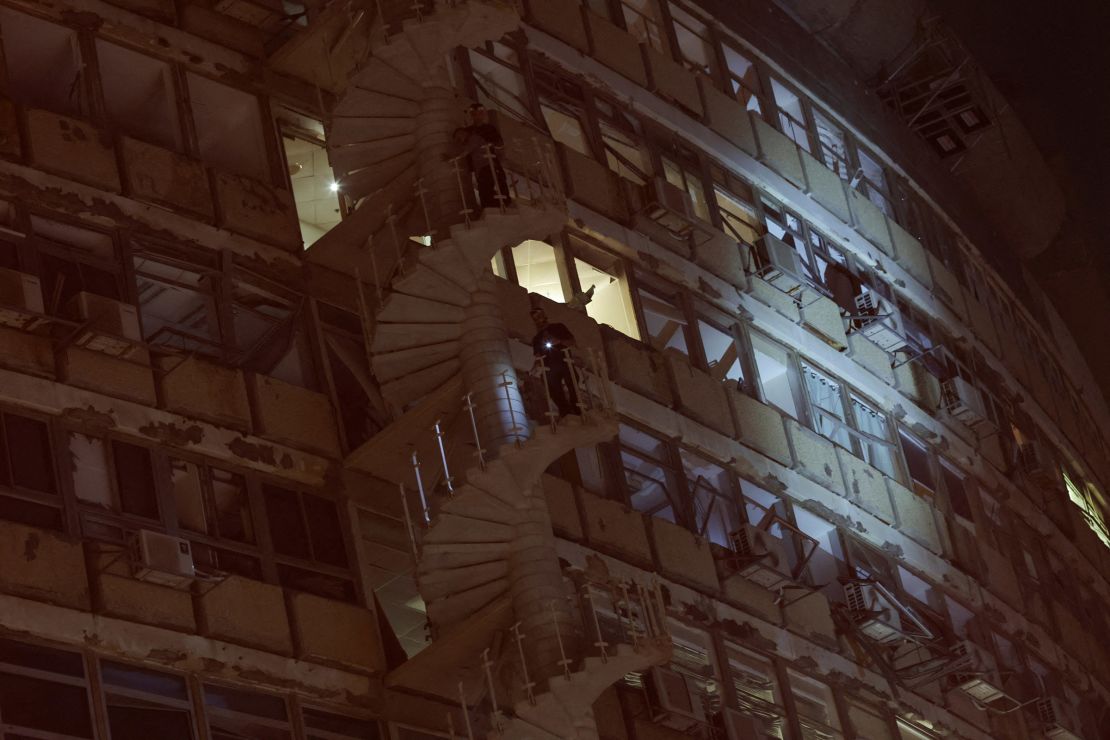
<point>362,410</point>
<point>307,528</point>
<point>43,692</point>
<point>229,127</point>
<point>135,482</point>
<point>874,181</point>
<point>722,353</point>
<point>270,335</point>
<point>792,115</point>
<point>567,129</point>
<point>1090,502</point>
<point>177,302</point>
<point>816,710</point>
<point>664,321</point>
<point>142,703</point>
<point>918,463</point>
<point>868,721</point>
<point>139,94</point>
<point>649,475</point>
<point>754,689</point>
<point>538,270</point>
<point>834,145</point>
<point>715,512</point>
<point>604,275</point>
<point>320,725</point>
<point>28,488</point>
<point>500,83</point>
<point>72,260</point>
<point>743,79</point>
<point>234,714</point>
<point>316,193</point>
<point>43,64</point>
<point>956,487</point>
<point>773,365</point>
<point>694,45</point>
<point>641,18</point>
<point>685,178</point>
<point>622,138</point>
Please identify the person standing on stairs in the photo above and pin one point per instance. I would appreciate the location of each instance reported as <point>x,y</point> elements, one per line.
<point>548,345</point>
<point>493,186</point>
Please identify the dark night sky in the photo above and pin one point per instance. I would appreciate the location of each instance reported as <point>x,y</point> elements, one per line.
<point>1051,59</point>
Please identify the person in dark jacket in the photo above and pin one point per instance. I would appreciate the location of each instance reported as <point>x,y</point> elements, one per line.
<point>548,345</point>
<point>488,172</point>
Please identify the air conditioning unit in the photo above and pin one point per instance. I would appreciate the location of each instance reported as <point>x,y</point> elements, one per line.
<point>110,327</point>
<point>762,557</point>
<point>678,699</point>
<point>781,263</point>
<point>976,675</point>
<point>963,401</point>
<point>162,559</point>
<point>872,613</point>
<point>885,330</point>
<point>1038,464</point>
<point>740,726</point>
<point>1057,721</point>
<point>20,300</point>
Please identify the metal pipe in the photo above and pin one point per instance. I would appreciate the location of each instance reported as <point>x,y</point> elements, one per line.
<point>443,455</point>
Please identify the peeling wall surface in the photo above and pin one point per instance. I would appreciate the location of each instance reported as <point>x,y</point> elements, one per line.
<point>549,369</point>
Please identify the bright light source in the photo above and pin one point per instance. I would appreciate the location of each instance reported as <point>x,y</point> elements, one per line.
<point>548,345</point>
<point>334,187</point>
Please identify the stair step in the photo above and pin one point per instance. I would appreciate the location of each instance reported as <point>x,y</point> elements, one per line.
<point>467,530</point>
<point>434,556</point>
<point>472,502</point>
<point>360,101</point>
<point>400,308</point>
<point>416,385</point>
<point>459,606</point>
<point>374,127</point>
<point>396,337</point>
<point>358,181</point>
<point>442,583</point>
<point>360,153</point>
<point>420,280</point>
<point>390,365</point>
<point>379,76</point>
<point>496,480</point>
<point>448,260</point>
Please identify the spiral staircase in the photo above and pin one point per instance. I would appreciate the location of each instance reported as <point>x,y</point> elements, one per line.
<point>434,320</point>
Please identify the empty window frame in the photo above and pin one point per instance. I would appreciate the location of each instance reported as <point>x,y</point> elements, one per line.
<point>28,483</point>
<point>664,322</point>
<point>714,502</point>
<point>919,464</point>
<point>735,201</point>
<point>500,81</point>
<point>71,260</point>
<point>833,143</point>
<point>213,506</point>
<point>873,181</point>
<point>269,327</point>
<point>316,193</point>
<point>540,270</point>
<point>177,301</point>
<point>622,139</point>
<point>643,20</point>
<point>43,64</point>
<point>605,275</point>
<point>743,79</point>
<point>307,536</point>
<point>695,45</point>
<point>44,692</point>
<point>229,130</point>
<point>113,476</point>
<point>686,178</point>
<point>651,480</point>
<point>234,714</point>
<point>140,97</point>
<point>721,349</point>
<point>778,384</point>
<point>141,703</point>
<point>792,113</point>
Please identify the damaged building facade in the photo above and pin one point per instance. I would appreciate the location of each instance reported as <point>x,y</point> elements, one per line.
<point>274,461</point>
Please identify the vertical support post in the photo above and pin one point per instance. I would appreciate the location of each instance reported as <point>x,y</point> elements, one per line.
<point>408,523</point>
<point>422,193</point>
<point>491,162</point>
<point>601,644</point>
<point>391,219</point>
<point>487,664</point>
<point>514,428</point>
<point>420,488</point>
<point>552,416</point>
<point>575,380</point>
<point>474,428</point>
<point>633,629</point>
<point>466,712</point>
<point>564,662</point>
<point>437,427</point>
<point>529,685</point>
<point>466,210</point>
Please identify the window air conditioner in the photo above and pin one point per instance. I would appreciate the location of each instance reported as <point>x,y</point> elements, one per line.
<point>885,330</point>
<point>762,557</point>
<point>781,263</point>
<point>162,559</point>
<point>678,698</point>
<point>976,675</point>
<point>111,327</point>
<point>740,726</point>
<point>963,401</point>
<point>1057,721</point>
<point>1038,464</point>
<point>20,299</point>
<point>872,613</point>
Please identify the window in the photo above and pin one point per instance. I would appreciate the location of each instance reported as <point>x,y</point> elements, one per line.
<point>229,127</point>
<point>623,142</point>
<point>216,503</point>
<point>754,688</point>
<point>664,321</point>
<point>956,488</point>
<point>139,94</point>
<point>234,714</point>
<point>537,270</point>
<point>500,84</point>
<point>694,46</point>
<point>641,18</point>
<point>868,722</point>
<point>873,440</point>
<point>714,500</point>
<point>827,403</point>
<point>315,190</point>
<point>1090,503</point>
<point>42,691</point>
<point>612,301</point>
<point>834,145</point>
<point>918,463</point>
<point>649,476</point>
<point>743,79</point>
<point>815,707</point>
<point>874,183</point>
<point>792,116</point>
<point>142,703</point>
<point>722,354</point>
<point>738,216</point>
<point>686,180</point>
<point>177,302</point>
<point>43,63</point>
<point>773,364</point>
<point>28,489</point>
<point>135,480</point>
<point>72,260</point>
<point>269,334</point>
<point>320,725</point>
<point>306,529</point>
